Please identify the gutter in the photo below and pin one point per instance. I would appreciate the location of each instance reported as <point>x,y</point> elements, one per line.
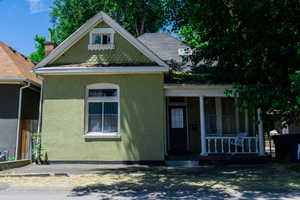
<point>8,80</point>
<point>98,70</point>
<point>17,81</point>
<point>19,117</point>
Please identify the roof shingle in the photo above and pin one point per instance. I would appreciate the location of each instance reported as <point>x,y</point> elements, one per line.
<point>164,45</point>
<point>15,65</point>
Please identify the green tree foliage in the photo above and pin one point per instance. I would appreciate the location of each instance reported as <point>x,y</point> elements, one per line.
<point>137,16</point>
<point>39,54</point>
<point>256,39</point>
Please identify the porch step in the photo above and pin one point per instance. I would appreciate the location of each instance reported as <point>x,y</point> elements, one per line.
<point>182,163</point>
<point>234,159</point>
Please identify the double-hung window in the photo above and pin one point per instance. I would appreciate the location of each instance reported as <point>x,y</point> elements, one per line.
<point>102,110</point>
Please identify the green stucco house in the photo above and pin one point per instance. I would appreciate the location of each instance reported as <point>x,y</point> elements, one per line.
<point>106,99</point>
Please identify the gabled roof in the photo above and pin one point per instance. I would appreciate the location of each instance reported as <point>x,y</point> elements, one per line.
<point>15,66</point>
<point>164,45</point>
<point>88,26</point>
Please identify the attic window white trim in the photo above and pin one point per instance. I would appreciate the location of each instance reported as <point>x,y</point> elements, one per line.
<point>101,33</point>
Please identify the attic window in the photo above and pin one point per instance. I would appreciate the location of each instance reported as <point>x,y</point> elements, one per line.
<point>101,39</point>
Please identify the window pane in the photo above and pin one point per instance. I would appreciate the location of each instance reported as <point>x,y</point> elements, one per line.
<point>106,39</point>
<point>95,117</point>
<point>177,118</point>
<point>95,108</point>
<point>210,115</point>
<point>110,117</point>
<point>96,38</point>
<point>110,108</point>
<point>228,116</point>
<point>102,93</point>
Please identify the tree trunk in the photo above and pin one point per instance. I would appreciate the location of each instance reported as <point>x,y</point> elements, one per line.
<point>142,30</point>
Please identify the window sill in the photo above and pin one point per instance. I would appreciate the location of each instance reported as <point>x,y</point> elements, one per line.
<point>102,135</point>
<point>94,47</point>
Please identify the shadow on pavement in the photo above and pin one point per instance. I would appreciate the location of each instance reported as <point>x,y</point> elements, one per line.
<point>220,182</point>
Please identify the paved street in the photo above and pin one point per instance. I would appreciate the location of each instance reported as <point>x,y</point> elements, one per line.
<point>264,181</point>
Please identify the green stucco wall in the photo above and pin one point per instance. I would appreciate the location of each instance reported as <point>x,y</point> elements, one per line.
<point>142,119</point>
<point>123,54</point>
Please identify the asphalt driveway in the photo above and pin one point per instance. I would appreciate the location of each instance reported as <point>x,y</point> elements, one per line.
<point>263,181</point>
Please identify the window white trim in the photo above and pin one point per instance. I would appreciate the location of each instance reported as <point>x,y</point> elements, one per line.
<point>88,100</point>
<point>95,47</point>
<point>102,31</point>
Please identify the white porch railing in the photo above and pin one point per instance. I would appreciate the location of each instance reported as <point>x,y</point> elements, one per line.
<point>232,145</point>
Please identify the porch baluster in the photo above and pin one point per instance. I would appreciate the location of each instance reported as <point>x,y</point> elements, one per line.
<point>235,146</point>
<point>222,145</point>
<point>256,145</point>
<point>243,145</point>
<point>216,150</point>
<point>249,145</point>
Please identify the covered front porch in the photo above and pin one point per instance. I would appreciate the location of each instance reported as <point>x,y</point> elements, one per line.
<point>203,121</point>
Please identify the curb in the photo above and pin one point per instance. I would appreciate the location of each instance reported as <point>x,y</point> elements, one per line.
<point>35,175</point>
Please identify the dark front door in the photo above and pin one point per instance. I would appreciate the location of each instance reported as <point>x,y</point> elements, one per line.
<point>177,127</point>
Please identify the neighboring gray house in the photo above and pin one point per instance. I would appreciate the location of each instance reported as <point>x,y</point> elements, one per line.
<point>19,103</point>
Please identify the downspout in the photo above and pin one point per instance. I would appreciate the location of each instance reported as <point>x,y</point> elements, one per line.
<point>19,117</point>
<point>40,110</point>
<point>38,153</point>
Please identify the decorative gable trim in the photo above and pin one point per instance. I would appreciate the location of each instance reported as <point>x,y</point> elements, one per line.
<point>88,26</point>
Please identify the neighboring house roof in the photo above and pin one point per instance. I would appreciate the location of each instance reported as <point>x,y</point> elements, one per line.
<point>164,45</point>
<point>14,66</point>
<point>43,66</point>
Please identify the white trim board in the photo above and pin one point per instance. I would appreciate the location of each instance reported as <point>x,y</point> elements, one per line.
<point>86,27</point>
<point>98,70</point>
<point>197,86</point>
<point>193,90</point>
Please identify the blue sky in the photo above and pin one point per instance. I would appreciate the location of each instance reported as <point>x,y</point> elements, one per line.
<point>21,20</point>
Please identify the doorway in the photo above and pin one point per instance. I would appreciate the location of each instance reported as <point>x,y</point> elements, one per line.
<point>177,130</point>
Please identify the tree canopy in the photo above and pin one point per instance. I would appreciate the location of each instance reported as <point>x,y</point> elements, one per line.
<point>39,54</point>
<point>258,39</point>
<point>136,16</point>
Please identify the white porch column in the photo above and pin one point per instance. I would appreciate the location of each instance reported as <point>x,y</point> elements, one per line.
<point>260,133</point>
<point>202,124</point>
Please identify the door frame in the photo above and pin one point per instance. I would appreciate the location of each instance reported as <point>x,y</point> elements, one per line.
<point>183,104</point>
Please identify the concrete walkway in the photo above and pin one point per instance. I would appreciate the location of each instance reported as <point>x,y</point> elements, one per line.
<point>70,169</point>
